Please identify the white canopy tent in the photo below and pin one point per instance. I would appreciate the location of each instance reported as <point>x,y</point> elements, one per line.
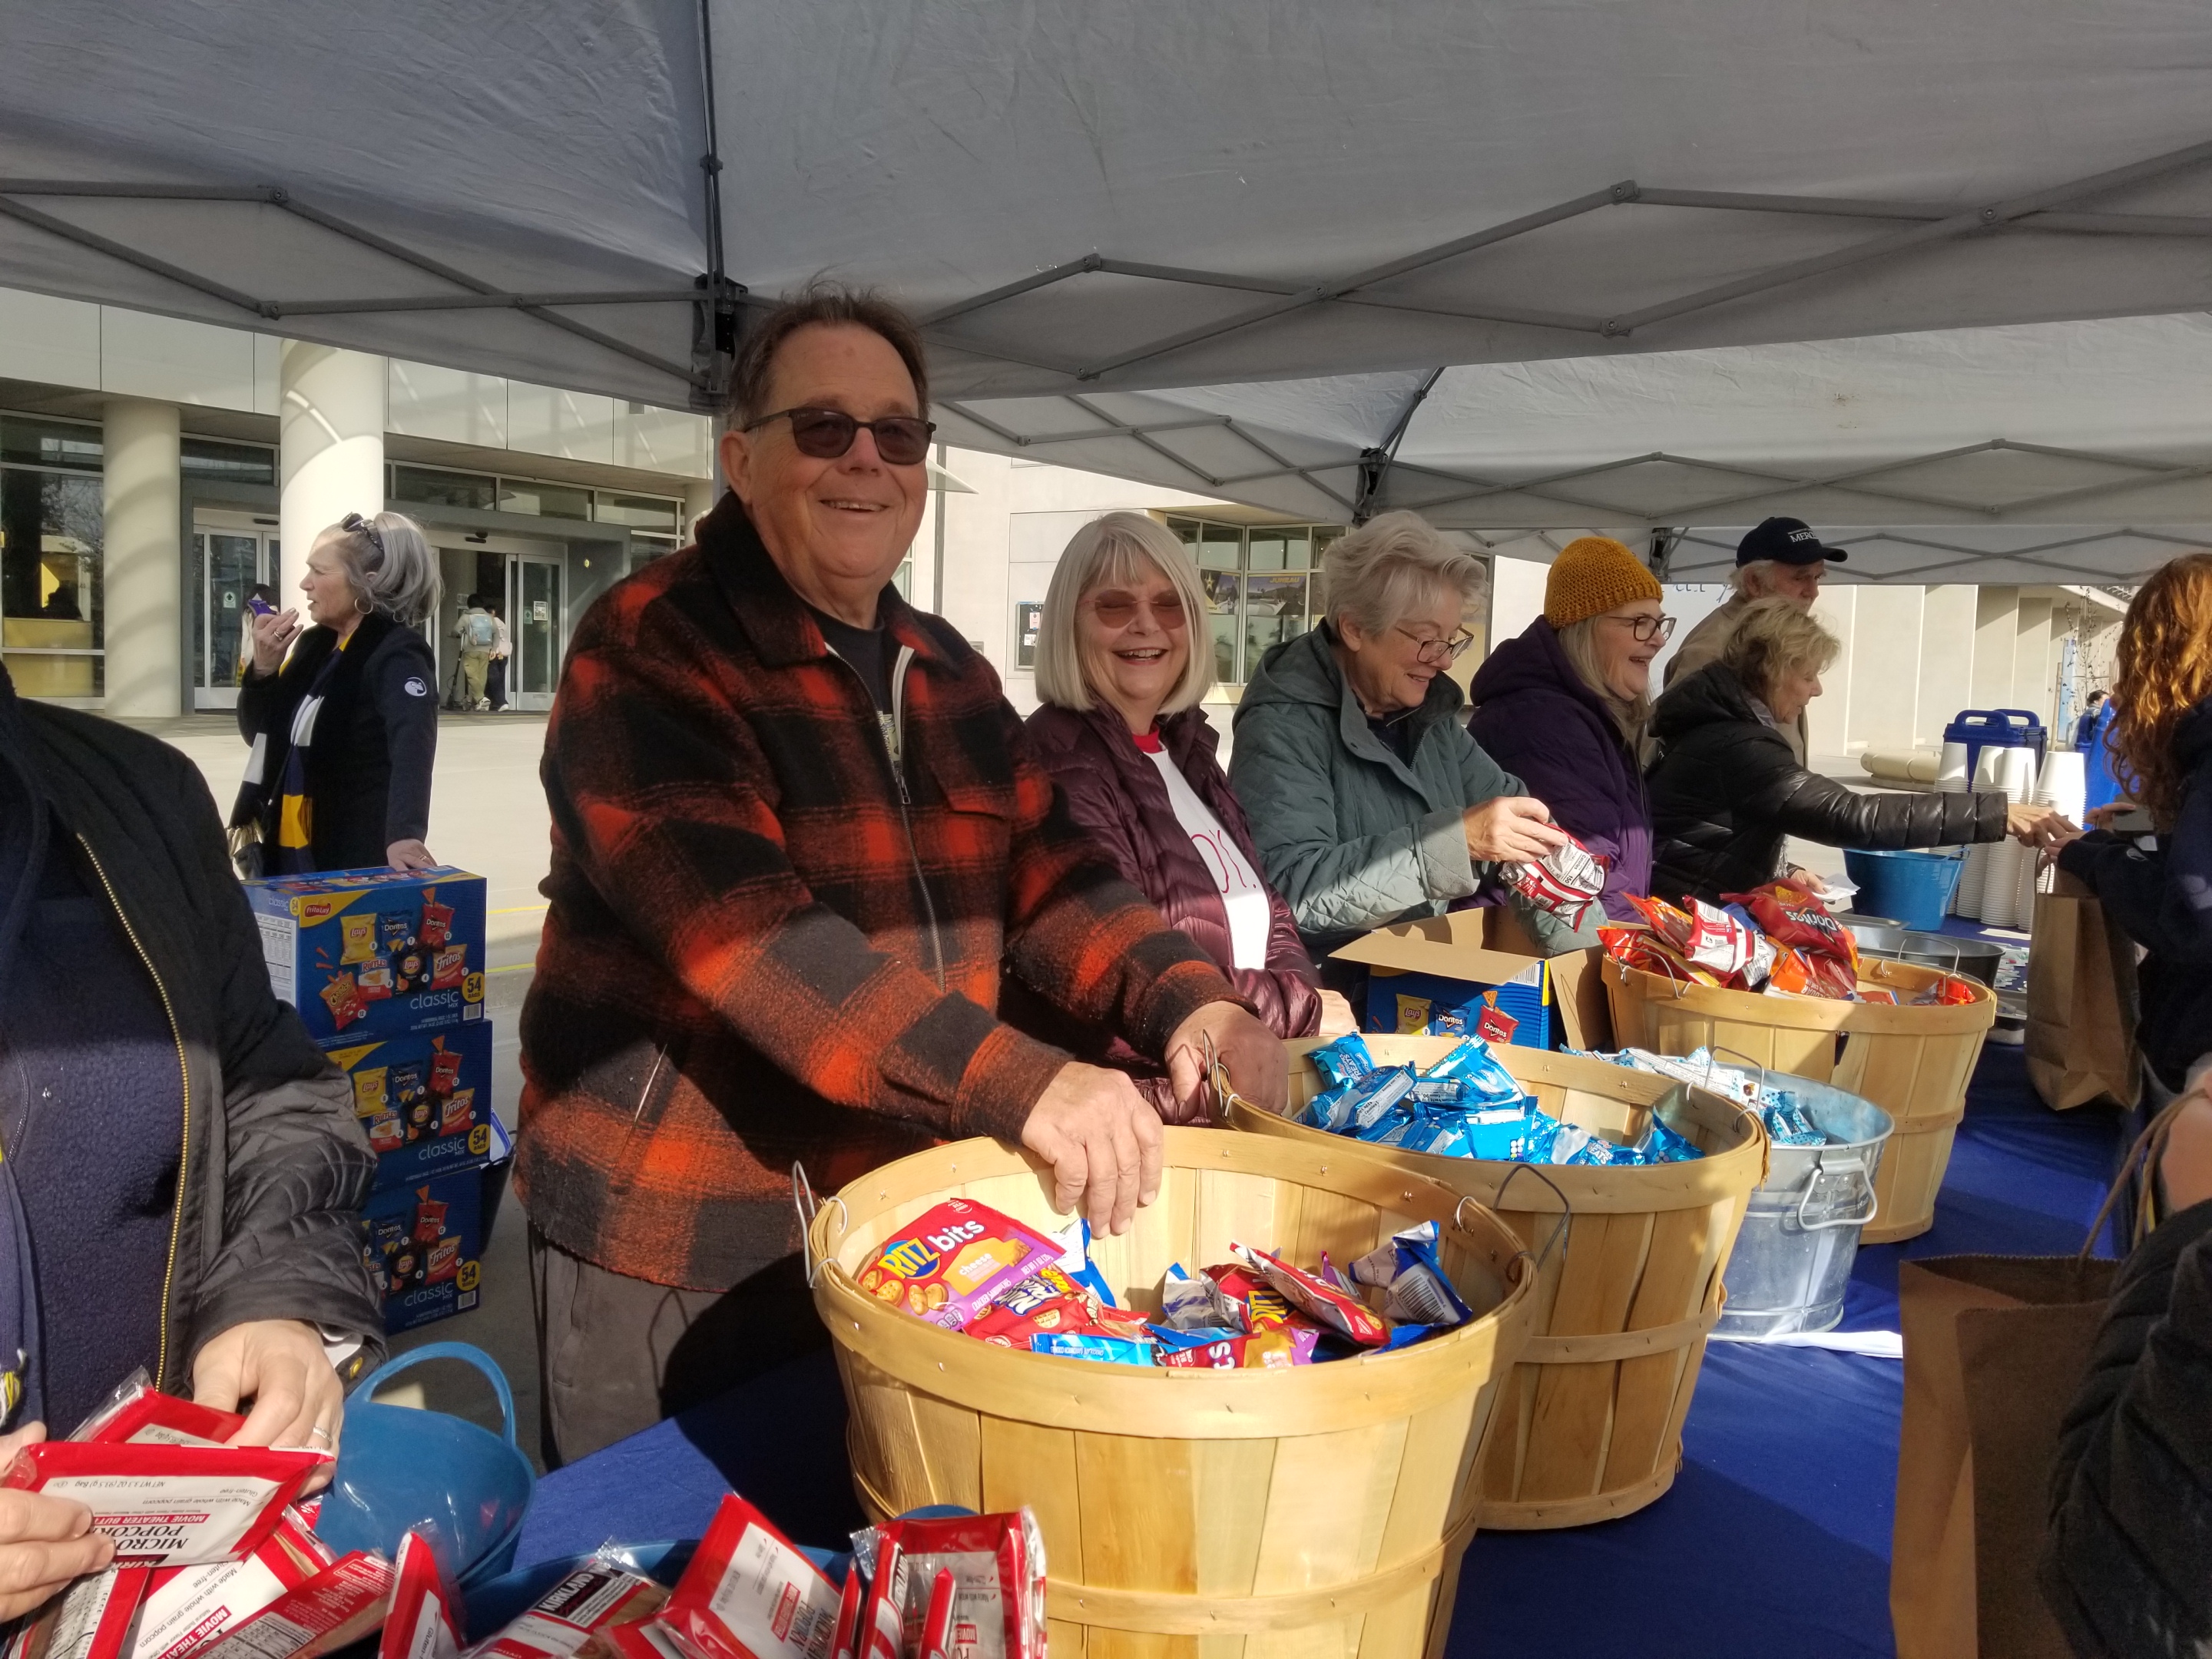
<point>1229,248</point>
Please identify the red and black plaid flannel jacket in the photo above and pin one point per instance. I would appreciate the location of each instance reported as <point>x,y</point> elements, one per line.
<point>741,967</point>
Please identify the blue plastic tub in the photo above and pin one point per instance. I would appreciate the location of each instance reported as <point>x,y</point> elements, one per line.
<point>1915,888</point>
<point>400,1468</point>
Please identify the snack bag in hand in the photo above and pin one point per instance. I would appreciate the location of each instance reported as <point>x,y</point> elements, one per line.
<point>1567,883</point>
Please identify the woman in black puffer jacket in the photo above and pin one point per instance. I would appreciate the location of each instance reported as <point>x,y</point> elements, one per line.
<point>1726,790</point>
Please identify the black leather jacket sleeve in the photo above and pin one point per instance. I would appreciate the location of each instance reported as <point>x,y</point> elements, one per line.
<point>1800,802</point>
<point>2127,1565</point>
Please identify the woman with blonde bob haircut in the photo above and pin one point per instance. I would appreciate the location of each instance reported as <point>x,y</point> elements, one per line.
<point>1121,731</point>
<point>1728,790</point>
<point>1373,804</point>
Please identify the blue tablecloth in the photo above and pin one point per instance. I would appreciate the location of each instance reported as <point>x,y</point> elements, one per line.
<point>1775,1539</point>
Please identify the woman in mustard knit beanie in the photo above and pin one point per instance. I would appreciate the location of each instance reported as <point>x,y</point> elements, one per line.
<point>1562,706</point>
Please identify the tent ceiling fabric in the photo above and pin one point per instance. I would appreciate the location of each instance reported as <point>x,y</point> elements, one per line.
<point>1304,207</point>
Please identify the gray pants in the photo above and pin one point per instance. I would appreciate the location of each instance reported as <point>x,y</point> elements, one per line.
<point>617,1354</point>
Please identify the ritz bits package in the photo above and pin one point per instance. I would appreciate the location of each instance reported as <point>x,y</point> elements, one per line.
<point>748,1594</point>
<point>170,1506</point>
<point>953,1261</point>
<point>374,953</point>
<point>997,1602</point>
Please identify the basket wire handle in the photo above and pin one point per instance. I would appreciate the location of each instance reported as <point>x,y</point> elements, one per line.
<point>1217,1080</point>
<point>1497,1199</point>
<point>804,1201</point>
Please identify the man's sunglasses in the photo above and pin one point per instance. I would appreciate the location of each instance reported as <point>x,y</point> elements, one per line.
<point>826,434</point>
<point>1119,610</point>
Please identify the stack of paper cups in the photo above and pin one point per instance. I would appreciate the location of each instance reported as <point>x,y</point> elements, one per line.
<point>2064,783</point>
<point>1973,880</point>
<point>1950,780</point>
<point>2000,907</point>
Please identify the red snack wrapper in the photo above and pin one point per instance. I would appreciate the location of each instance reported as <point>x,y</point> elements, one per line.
<point>937,1622</point>
<point>997,1564</point>
<point>449,968</point>
<point>1790,916</point>
<point>334,1609</point>
<point>445,1067</point>
<point>437,921</point>
<point>1718,941</point>
<point>1245,1301</point>
<point>1493,1024</point>
<point>1277,1348</point>
<point>1669,921</point>
<point>563,1622</point>
<point>1346,1315</point>
<point>343,997</point>
<point>170,1506</point>
<point>749,1595</point>
<point>430,1220</point>
<point>187,1607</point>
<point>954,1260</point>
<point>90,1619</point>
<point>425,1620</point>
<point>845,1644</point>
<point>136,1414</point>
<point>1567,883</point>
<point>1048,1300</point>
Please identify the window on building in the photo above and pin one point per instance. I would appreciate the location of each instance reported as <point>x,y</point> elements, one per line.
<point>50,578</point>
<point>644,549</point>
<point>1262,585</point>
<point>428,486</point>
<point>39,440</point>
<point>211,461</point>
<point>639,512</point>
<point>543,501</point>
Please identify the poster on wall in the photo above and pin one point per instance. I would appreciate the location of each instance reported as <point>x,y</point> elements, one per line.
<point>1029,618</point>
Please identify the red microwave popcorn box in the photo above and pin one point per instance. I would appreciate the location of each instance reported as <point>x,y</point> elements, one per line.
<point>334,1609</point>
<point>90,1619</point>
<point>137,1415</point>
<point>574,1619</point>
<point>170,1506</point>
<point>187,1607</point>
<point>425,1620</point>
<point>1326,1305</point>
<point>748,1594</point>
<point>953,1262</point>
<point>997,1564</point>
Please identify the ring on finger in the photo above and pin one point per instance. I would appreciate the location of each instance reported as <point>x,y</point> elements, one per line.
<point>318,1433</point>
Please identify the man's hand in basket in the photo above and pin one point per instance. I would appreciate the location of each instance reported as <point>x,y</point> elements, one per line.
<point>1102,1139</point>
<point>1259,1065</point>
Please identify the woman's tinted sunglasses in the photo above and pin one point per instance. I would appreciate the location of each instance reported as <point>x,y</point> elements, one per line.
<point>826,434</point>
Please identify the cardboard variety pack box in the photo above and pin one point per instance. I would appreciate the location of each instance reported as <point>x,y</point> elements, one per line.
<point>423,1099</point>
<point>424,1241</point>
<point>373,953</point>
<point>1474,973</point>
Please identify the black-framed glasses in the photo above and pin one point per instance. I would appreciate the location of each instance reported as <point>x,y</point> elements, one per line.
<point>1439,653</point>
<point>1648,629</point>
<point>826,434</point>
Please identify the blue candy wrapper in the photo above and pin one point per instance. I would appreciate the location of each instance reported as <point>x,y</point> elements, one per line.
<point>1186,1301</point>
<point>1416,1293</point>
<point>1661,1145</point>
<point>1438,1092</point>
<point>1483,1081</point>
<point>1081,1345</point>
<point>1322,1110</point>
<point>1367,1099</point>
<point>1074,1242</point>
<point>1340,1061</point>
<point>1173,1340</point>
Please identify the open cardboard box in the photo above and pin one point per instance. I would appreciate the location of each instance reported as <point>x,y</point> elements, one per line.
<point>1487,948</point>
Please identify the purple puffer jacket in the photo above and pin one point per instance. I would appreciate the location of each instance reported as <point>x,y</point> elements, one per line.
<point>1541,723</point>
<point>1114,791</point>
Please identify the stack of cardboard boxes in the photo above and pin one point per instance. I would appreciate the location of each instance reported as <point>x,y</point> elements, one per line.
<point>386,969</point>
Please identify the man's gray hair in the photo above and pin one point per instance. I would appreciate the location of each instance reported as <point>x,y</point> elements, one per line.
<point>1393,566</point>
<point>391,566</point>
<point>1117,548</point>
<point>1748,582</point>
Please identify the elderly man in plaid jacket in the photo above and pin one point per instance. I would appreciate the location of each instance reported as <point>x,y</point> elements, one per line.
<point>796,840</point>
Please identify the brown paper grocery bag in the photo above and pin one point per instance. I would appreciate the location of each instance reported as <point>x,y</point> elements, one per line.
<point>1994,1347</point>
<point>2081,1002</point>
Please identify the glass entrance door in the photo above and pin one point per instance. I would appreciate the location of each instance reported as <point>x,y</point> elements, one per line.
<point>537,624</point>
<point>230,562</point>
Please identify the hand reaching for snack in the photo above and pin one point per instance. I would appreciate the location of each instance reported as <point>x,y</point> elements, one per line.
<point>280,1364</point>
<point>45,1542</point>
<point>2039,826</point>
<point>1258,1065</point>
<point>1512,829</point>
<point>1337,1018</point>
<point>1103,1141</point>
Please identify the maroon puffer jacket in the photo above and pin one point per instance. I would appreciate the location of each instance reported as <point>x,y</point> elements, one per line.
<point>1114,791</point>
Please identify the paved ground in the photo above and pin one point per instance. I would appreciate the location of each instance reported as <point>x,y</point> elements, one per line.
<point>487,814</point>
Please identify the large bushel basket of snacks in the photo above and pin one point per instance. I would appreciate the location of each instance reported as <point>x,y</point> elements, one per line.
<point>1319,1507</point>
<point>1589,1425</point>
<point>1912,1060</point>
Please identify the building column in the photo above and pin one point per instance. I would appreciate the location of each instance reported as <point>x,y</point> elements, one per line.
<point>143,559</point>
<point>333,406</point>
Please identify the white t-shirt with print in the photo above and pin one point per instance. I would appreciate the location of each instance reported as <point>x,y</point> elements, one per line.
<point>1244,895</point>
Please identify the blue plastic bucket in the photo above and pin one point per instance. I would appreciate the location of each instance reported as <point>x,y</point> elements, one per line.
<point>1915,888</point>
<point>400,1468</point>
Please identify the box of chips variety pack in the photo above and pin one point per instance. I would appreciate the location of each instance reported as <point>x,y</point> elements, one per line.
<point>423,1241</point>
<point>373,953</point>
<point>423,1099</point>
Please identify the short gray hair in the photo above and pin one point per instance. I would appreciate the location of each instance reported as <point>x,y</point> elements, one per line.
<point>1748,582</point>
<point>1115,548</point>
<point>1383,571</point>
<point>390,565</point>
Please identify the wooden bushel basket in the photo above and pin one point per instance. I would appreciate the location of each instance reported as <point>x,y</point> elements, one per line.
<point>1242,1515</point>
<point>1590,1424</point>
<point>1914,1063</point>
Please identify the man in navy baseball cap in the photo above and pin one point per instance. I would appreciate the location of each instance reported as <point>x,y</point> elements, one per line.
<point>1777,558</point>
